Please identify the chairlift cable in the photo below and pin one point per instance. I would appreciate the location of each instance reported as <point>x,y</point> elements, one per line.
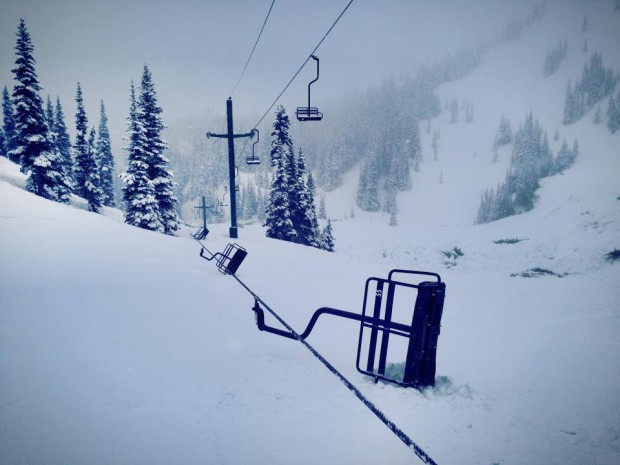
<point>303,64</point>
<point>253,48</point>
<point>299,70</point>
<point>372,407</point>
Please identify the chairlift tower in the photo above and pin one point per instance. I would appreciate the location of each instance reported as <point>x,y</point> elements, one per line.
<point>231,136</point>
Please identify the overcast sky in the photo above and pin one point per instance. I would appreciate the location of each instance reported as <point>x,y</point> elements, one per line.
<point>196,49</point>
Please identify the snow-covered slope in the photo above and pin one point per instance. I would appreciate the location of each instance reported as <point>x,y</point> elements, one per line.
<point>123,346</point>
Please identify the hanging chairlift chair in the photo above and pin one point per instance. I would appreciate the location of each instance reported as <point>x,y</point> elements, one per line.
<point>254,160</point>
<point>310,113</point>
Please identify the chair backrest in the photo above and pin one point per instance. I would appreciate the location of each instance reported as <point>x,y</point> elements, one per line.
<point>397,352</point>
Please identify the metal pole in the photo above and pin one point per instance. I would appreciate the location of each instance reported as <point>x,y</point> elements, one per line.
<point>204,212</point>
<point>231,170</point>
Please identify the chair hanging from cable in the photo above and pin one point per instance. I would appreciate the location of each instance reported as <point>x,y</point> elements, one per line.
<point>253,159</point>
<point>310,113</point>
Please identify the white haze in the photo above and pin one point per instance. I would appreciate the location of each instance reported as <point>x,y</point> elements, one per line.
<point>196,49</point>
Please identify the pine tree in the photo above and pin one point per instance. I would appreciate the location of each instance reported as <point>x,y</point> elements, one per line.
<point>564,159</point>
<point>141,206</point>
<point>34,145</point>
<point>322,211</point>
<point>569,105</point>
<point>63,141</point>
<point>2,144</point>
<point>278,220</point>
<point>435,145</point>
<point>597,115</point>
<point>105,160</point>
<point>295,188</point>
<point>149,115</point>
<point>328,237</point>
<point>367,191</point>
<point>504,132</point>
<point>313,219</point>
<point>92,182</point>
<point>281,142</point>
<point>8,125</point>
<point>80,148</point>
<point>308,226</point>
<point>283,211</point>
<point>613,113</point>
<point>392,208</point>
<point>49,113</point>
<point>454,112</point>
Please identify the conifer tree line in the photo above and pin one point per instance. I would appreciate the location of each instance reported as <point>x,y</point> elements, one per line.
<point>37,139</point>
<point>291,212</point>
<point>531,161</point>
<point>595,84</point>
<point>554,58</point>
<point>363,121</point>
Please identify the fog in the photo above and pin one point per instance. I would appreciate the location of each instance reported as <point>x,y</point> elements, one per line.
<point>196,49</point>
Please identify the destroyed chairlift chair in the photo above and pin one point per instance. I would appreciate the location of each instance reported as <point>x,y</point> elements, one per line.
<point>377,344</point>
<point>229,260</point>
<point>310,113</point>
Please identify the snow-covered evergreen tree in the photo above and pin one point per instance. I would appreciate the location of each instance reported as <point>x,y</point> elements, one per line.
<point>313,217</point>
<point>327,237</point>
<point>295,188</point>
<point>392,207</point>
<point>322,211</point>
<point>596,83</point>
<point>2,144</point>
<point>49,115</point>
<point>504,132</point>
<point>63,141</point>
<point>613,113</point>
<point>92,182</point>
<point>105,160</point>
<point>306,224</point>
<point>8,125</point>
<point>454,111</point>
<point>278,221</point>
<point>281,143</point>
<point>141,206</point>
<point>565,158</point>
<point>152,123</point>
<point>531,160</point>
<point>554,58</point>
<point>34,145</point>
<point>80,148</point>
<point>367,191</point>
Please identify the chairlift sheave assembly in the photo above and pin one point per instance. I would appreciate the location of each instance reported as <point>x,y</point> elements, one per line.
<point>254,160</point>
<point>310,113</point>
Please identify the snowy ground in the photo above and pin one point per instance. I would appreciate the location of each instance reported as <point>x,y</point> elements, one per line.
<point>122,346</point>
